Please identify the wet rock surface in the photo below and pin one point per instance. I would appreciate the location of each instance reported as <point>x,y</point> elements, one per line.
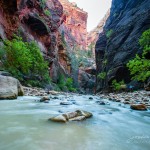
<point>78,115</point>
<point>137,98</point>
<point>141,107</point>
<point>119,41</point>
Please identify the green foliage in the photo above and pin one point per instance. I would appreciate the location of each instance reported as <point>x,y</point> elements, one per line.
<point>47,12</point>
<point>105,61</point>
<point>2,54</point>
<point>63,39</point>
<point>102,75</point>
<point>117,85</point>
<point>42,3</point>
<point>145,42</point>
<point>140,66</point>
<point>25,59</point>
<point>65,83</point>
<point>82,57</point>
<point>61,81</point>
<point>89,53</point>
<point>109,33</point>
<point>69,85</point>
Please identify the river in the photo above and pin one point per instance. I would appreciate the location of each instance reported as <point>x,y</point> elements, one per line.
<point>24,125</point>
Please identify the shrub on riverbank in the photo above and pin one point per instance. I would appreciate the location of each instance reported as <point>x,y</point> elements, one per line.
<point>66,84</point>
<point>140,66</point>
<point>25,61</point>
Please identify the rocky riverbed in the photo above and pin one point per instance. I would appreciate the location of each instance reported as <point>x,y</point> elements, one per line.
<point>140,97</point>
<point>25,124</point>
<point>131,98</point>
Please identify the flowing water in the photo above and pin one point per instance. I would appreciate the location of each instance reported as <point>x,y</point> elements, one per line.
<point>24,125</point>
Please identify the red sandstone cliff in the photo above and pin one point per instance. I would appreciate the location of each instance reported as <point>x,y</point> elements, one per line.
<point>29,17</point>
<point>56,27</point>
<point>75,24</point>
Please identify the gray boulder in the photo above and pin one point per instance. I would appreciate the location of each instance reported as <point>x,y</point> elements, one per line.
<point>10,88</point>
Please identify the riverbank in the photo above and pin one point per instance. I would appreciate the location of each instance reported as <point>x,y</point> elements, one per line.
<point>35,91</point>
<point>136,97</point>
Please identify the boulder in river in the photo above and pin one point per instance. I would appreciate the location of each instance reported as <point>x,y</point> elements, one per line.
<point>66,103</point>
<point>44,98</point>
<point>138,107</point>
<point>59,118</point>
<point>10,88</point>
<point>78,115</point>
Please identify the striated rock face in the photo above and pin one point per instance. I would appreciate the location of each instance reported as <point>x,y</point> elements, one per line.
<point>118,43</point>
<point>75,24</point>
<point>93,35</point>
<point>30,19</point>
<point>56,27</point>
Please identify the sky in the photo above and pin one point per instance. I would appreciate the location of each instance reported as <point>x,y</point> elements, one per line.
<point>96,10</point>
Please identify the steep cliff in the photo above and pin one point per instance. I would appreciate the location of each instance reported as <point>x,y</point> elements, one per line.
<point>93,35</point>
<point>75,24</point>
<point>57,26</point>
<point>118,43</point>
<point>34,20</point>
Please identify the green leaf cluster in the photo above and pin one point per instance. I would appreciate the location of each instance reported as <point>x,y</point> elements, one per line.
<point>140,66</point>
<point>47,12</point>
<point>65,83</point>
<point>24,59</point>
<point>102,75</point>
<point>117,85</point>
<point>69,85</point>
<point>109,33</point>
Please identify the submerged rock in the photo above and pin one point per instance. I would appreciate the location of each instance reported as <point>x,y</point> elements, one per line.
<point>44,99</point>
<point>138,107</point>
<point>65,103</point>
<point>78,115</point>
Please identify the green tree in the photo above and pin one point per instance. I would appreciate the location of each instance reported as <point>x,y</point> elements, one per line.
<point>140,66</point>
<point>24,59</point>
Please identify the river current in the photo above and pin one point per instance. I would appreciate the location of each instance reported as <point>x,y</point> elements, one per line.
<point>24,125</point>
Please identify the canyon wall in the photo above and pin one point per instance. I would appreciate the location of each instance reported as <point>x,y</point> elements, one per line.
<point>29,19</point>
<point>74,25</point>
<point>93,35</point>
<point>118,42</point>
<point>56,26</point>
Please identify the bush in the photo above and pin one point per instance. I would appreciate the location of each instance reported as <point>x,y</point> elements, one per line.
<point>102,75</point>
<point>61,81</point>
<point>47,12</point>
<point>24,61</point>
<point>66,83</point>
<point>69,85</point>
<point>117,85</point>
<point>109,33</point>
<point>140,66</point>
